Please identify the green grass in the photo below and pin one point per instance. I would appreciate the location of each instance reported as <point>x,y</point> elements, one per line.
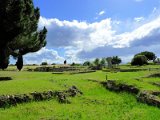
<point>95,103</point>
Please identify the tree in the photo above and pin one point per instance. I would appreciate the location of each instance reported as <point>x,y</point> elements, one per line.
<point>65,62</point>
<point>87,63</point>
<point>73,64</point>
<point>97,65</point>
<point>103,62</point>
<point>96,61</point>
<point>139,60</point>
<point>116,60</point>
<point>149,55</point>
<point>19,63</point>
<point>44,63</point>
<point>18,29</point>
<point>109,62</point>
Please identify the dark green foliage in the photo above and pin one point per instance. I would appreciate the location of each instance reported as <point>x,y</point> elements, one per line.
<point>139,60</point>
<point>87,63</point>
<point>75,64</point>
<point>19,63</point>
<point>65,62</point>
<point>44,63</point>
<point>18,28</point>
<point>116,60</point>
<point>103,62</point>
<point>97,61</point>
<point>149,55</point>
<point>97,65</point>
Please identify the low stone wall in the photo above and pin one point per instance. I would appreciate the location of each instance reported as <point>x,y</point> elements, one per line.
<point>59,69</point>
<point>113,85</point>
<point>61,96</point>
<point>154,75</point>
<point>149,97</point>
<point>75,72</point>
<point>5,78</point>
<point>81,72</point>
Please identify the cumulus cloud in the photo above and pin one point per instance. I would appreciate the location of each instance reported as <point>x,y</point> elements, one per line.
<point>82,35</point>
<point>44,55</point>
<point>82,40</point>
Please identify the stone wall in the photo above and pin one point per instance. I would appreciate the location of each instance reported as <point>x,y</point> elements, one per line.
<point>58,69</point>
<point>61,96</point>
<point>147,97</point>
<point>114,86</point>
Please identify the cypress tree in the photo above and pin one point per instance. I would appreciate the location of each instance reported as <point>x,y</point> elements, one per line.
<point>19,62</point>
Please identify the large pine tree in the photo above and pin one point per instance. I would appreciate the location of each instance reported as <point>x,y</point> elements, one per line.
<point>18,30</point>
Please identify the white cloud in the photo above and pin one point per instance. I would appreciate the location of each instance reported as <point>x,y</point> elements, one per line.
<point>101,13</point>
<point>83,35</point>
<point>82,40</point>
<point>139,19</point>
<point>44,55</point>
<point>125,39</point>
<point>88,36</point>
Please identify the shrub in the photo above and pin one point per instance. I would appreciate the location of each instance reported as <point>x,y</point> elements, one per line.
<point>44,63</point>
<point>116,60</point>
<point>149,55</point>
<point>87,63</point>
<point>139,60</point>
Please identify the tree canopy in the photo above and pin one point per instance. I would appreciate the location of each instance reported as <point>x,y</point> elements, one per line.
<point>116,60</point>
<point>139,60</point>
<point>87,63</point>
<point>18,30</point>
<point>103,62</point>
<point>96,61</point>
<point>149,55</point>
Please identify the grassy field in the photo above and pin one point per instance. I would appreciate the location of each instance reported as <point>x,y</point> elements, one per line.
<point>95,103</point>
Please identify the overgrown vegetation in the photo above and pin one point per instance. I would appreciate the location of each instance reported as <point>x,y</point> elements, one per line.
<point>95,103</point>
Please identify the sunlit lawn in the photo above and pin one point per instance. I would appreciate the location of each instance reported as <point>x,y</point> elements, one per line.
<point>95,103</point>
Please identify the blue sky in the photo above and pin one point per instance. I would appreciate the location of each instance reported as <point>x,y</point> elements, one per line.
<point>87,9</point>
<point>80,30</point>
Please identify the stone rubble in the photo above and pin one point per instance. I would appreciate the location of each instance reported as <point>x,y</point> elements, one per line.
<point>113,85</point>
<point>61,96</point>
<point>147,97</point>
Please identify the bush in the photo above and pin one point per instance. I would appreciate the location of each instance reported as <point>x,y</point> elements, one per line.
<point>139,60</point>
<point>44,63</point>
<point>75,64</point>
<point>87,63</point>
<point>116,60</point>
<point>149,55</point>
